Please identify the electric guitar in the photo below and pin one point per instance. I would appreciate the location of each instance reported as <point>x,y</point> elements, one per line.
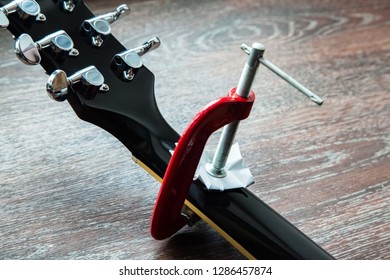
<point>108,85</point>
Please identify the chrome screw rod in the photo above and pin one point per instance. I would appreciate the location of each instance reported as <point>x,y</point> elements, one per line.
<point>217,167</point>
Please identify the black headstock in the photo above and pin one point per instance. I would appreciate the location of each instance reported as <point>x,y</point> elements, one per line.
<point>124,104</point>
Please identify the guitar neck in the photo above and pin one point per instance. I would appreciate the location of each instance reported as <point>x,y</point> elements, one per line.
<point>128,110</point>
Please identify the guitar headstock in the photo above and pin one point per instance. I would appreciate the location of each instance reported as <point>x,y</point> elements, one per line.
<point>104,82</point>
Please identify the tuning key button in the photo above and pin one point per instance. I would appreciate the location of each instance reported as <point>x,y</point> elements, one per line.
<point>4,22</point>
<point>89,81</point>
<point>59,43</point>
<point>26,50</point>
<point>148,46</point>
<point>57,85</point>
<point>26,9</point>
<point>127,63</point>
<point>98,28</point>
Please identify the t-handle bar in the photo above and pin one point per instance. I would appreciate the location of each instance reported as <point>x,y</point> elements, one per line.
<point>315,98</point>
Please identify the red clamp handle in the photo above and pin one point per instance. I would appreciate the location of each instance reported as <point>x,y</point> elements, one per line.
<point>166,218</point>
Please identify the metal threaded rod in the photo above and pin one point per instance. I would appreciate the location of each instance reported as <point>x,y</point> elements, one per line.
<point>217,167</point>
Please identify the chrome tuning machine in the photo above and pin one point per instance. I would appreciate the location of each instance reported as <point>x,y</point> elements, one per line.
<point>89,79</point>
<point>59,42</point>
<point>127,63</point>
<point>98,28</point>
<point>26,9</point>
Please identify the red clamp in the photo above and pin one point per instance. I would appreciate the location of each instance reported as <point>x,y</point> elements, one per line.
<point>166,218</point>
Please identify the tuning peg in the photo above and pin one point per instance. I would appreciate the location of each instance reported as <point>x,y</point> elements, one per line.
<point>26,9</point>
<point>98,28</point>
<point>90,80</point>
<point>128,62</point>
<point>28,51</point>
<point>148,46</point>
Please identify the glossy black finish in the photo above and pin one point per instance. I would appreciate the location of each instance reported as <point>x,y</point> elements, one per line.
<point>129,112</point>
<point>256,226</point>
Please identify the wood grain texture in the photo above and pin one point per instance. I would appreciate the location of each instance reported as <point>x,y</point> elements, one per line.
<point>69,190</point>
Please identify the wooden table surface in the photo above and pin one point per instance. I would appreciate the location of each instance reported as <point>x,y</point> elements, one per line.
<point>69,190</point>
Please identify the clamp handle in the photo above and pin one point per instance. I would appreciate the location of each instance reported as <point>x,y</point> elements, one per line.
<point>315,98</point>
